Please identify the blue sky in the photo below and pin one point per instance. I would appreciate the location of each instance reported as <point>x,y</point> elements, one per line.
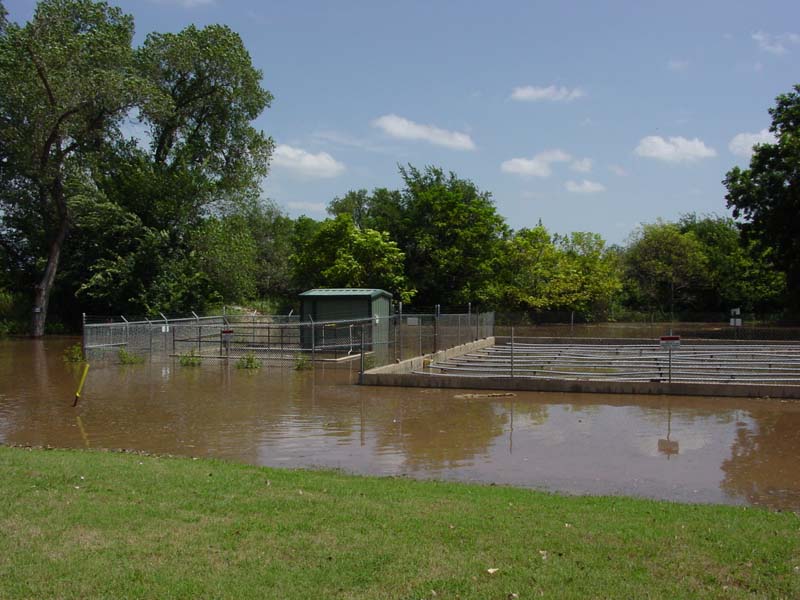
<point>589,116</point>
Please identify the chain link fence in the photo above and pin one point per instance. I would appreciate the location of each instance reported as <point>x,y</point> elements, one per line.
<point>279,339</point>
<point>701,326</point>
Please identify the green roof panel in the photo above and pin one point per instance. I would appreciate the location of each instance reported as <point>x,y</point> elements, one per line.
<point>344,292</point>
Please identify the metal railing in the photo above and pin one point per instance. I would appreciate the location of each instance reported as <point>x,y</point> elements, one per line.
<point>278,338</point>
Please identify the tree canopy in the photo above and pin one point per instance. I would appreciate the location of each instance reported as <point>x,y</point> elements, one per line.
<point>73,84</point>
<point>766,196</point>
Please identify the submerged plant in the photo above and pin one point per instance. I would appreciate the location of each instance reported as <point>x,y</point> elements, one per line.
<point>190,360</point>
<point>248,361</point>
<point>129,358</point>
<point>73,354</point>
<point>302,363</point>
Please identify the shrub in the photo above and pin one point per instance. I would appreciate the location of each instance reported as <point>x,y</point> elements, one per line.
<point>302,363</point>
<point>73,354</point>
<point>248,361</point>
<point>128,358</point>
<point>190,360</point>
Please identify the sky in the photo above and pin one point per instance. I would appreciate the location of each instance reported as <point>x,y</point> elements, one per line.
<point>588,116</point>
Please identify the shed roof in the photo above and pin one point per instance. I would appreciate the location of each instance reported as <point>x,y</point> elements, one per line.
<point>345,292</point>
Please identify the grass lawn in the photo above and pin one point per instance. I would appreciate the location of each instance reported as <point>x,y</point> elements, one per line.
<point>84,524</point>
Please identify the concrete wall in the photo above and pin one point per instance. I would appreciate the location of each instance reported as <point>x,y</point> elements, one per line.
<point>408,379</point>
<point>402,375</point>
<point>418,362</point>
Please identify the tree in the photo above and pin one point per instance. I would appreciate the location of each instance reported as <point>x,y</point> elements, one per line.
<point>450,233</point>
<point>537,271</point>
<point>196,92</point>
<point>339,254</point>
<point>588,277</point>
<point>67,79</point>
<point>382,210</point>
<point>767,195</point>
<point>740,274</point>
<point>665,267</point>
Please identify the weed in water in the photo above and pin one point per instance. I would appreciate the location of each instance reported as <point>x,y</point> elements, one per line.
<point>248,361</point>
<point>128,358</point>
<point>190,360</point>
<point>73,354</point>
<point>302,363</point>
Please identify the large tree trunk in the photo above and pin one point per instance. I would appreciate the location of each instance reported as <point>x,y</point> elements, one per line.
<point>41,296</point>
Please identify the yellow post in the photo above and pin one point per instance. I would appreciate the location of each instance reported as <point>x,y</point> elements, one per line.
<point>80,385</point>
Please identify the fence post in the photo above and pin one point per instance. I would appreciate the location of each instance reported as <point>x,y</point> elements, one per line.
<point>312,339</point>
<point>83,336</point>
<point>419,327</point>
<point>150,332</point>
<point>477,323</point>
<point>512,352</point>
<point>166,323</point>
<point>436,329</point>
<point>126,329</point>
<point>199,333</point>
<point>361,373</point>
<point>399,337</point>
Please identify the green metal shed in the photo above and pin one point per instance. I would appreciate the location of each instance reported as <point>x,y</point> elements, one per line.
<point>346,304</point>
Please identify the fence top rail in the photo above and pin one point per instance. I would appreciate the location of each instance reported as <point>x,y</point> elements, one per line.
<point>121,321</point>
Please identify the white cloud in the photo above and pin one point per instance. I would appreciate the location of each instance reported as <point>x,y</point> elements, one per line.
<point>404,129</point>
<point>618,170</point>
<point>538,166</point>
<point>531,93</point>
<point>742,143</point>
<point>677,65</point>
<point>306,164</point>
<point>674,149</point>
<point>775,44</point>
<point>314,207</point>
<point>584,187</point>
<point>583,165</point>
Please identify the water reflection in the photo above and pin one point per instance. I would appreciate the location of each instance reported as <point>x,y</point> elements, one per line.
<point>718,450</point>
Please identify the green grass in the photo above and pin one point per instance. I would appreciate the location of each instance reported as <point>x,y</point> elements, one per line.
<point>78,524</point>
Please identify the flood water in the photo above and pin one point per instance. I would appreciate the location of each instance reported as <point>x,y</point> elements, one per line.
<point>738,451</point>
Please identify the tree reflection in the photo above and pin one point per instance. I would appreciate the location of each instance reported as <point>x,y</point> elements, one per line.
<point>436,435</point>
<point>763,468</point>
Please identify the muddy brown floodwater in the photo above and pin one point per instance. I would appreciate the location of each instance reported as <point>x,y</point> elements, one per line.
<point>688,449</point>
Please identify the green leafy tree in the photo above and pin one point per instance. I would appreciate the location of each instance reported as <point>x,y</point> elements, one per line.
<point>740,274</point>
<point>382,210</point>
<point>450,233</point>
<point>339,254</point>
<point>70,80</point>
<point>767,195</point>
<point>664,267</point>
<point>588,277</point>
<point>524,268</point>
<point>67,78</point>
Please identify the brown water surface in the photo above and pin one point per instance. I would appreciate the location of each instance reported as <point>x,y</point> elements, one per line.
<point>688,449</point>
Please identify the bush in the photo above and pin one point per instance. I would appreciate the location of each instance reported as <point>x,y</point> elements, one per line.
<point>190,360</point>
<point>302,363</point>
<point>248,361</point>
<point>73,354</point>
<point>128,358</point>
